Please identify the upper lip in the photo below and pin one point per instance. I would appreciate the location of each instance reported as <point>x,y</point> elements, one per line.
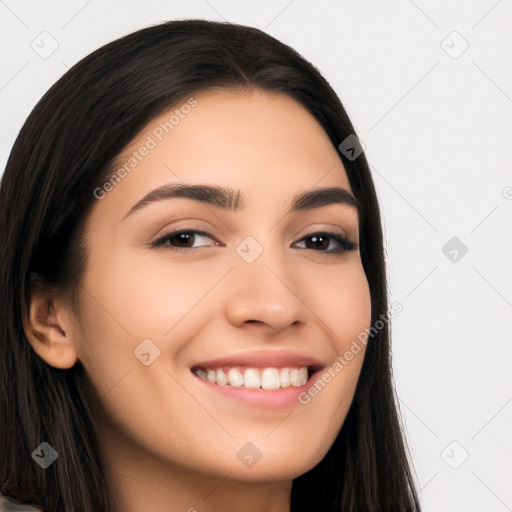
<point>263,359</point>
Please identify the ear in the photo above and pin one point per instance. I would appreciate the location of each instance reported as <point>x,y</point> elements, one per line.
<point>50,329</point>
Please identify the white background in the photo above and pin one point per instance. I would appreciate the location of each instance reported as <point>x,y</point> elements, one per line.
<point>437,125</point>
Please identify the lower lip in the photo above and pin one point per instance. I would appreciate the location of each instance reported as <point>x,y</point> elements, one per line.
<point>262,397</point>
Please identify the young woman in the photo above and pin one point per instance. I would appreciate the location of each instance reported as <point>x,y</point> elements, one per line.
<point>194,309</point>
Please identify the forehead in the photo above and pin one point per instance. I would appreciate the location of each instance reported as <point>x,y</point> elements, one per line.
<point>261,143</point>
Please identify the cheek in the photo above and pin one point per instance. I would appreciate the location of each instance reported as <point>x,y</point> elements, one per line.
<point>149,296</point>
<point>341,302</point>
<point>343,306</point>
<point>126,302</point>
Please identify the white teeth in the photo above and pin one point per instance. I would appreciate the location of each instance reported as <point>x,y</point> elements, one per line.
<point>252,378</point>
<point>303,376</point>
<point>284,377</point>
<point>221,378</point>
<point>270,378</point>
<point>235,377</point>
<point>298,377</point>
<point>266,378</point>
<point>211,376</point>
<point>201,373</point>
<point>294,378</point>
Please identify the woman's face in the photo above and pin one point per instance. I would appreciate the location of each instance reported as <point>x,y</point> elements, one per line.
<point>246,288</point>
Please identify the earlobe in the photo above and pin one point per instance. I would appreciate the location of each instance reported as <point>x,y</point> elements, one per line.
<point>49,330</point>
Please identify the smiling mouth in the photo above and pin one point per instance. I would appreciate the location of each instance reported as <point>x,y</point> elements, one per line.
<point>268,378</point>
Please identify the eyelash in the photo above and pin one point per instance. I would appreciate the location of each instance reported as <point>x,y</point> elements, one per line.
<point>346,244</point>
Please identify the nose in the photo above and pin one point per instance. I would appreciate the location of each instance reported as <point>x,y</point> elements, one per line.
<point>265,292</point>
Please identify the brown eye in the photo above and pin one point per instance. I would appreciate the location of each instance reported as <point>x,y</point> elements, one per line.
<point>185,238</point>
<point>322,240</point>
<point>181,239</point>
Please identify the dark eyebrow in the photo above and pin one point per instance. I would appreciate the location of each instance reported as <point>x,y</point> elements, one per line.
<point>231,199</point>
<point>317,197</point>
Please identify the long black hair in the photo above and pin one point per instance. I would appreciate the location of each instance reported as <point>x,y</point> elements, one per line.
<point>65,150</point>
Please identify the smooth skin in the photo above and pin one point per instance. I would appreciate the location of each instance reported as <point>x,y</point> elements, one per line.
<point>168,443</point>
